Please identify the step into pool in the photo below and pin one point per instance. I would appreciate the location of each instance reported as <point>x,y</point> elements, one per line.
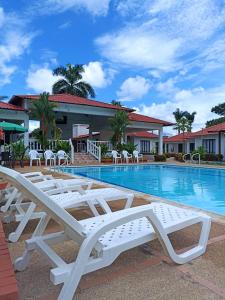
<point>194,186</point>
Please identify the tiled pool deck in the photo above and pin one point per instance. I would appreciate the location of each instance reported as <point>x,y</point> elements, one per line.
<point>136,274</point>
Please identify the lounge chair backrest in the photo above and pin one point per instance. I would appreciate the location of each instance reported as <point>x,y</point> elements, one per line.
<point>33,154</point>
<point>114,153</point>
<point>48,154</point>
<point>61,154</point>
<point>42,200</point>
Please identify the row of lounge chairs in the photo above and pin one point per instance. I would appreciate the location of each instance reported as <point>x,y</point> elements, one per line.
<point>101,238</point>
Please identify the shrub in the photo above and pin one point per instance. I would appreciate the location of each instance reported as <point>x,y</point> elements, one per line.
<point>62,145</point>
<point>179,157</point>
<point>104,149</point>
<point>201,151</point>
<point>129,147</point>
<point>18,149</point>
<point>168,155</point>
<point>213,157</point>
<point>160,157</point>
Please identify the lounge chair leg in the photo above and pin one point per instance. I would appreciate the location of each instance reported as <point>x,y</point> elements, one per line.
<point>22,262</point>
<point>14,236</point>
<point>189,254</point>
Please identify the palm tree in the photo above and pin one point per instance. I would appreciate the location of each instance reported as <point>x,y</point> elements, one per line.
<point>119,124</point>
<point>178,115</point>
<point>190,117</point>
<point>43,110</point>
<point>71,82</point>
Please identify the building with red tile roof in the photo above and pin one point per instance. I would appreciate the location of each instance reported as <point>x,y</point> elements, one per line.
<point>73,110</point>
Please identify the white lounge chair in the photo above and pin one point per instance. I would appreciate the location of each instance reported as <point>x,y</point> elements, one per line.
<point>69,195</point>
<point>116,156</point>
<point>102,239</point>
<point>137,156</point>
<point>126,156</point>
<point>61,155</point>
<point>34,155</point>
<point>49,156</point>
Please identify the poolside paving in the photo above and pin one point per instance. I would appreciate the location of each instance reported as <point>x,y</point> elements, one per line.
<point>141,273</point>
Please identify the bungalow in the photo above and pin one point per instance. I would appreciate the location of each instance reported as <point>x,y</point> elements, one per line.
<point>77,116</point>
<point>212,139</point>
<point>147,142</point>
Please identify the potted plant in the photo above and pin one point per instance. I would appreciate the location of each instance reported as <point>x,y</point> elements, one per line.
<point>105,157</point>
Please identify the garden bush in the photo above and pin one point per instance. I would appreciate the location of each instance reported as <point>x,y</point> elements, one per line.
<point>179,157</point>
<point>213,157</point>
<point>160,157</point>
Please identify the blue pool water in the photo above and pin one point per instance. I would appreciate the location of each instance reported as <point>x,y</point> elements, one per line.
<point>199,187</point>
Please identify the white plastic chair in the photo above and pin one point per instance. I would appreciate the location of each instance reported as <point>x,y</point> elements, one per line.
<point>61,155</point>
<point>103,238</point>
<point>49,156</point>
<point>137,156</point>
<point>116,156</point>
<point>34,155</point>
<point>126,156</point>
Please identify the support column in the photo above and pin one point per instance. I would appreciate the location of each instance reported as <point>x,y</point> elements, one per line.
<point>26,134</point>
<point>160,150</point>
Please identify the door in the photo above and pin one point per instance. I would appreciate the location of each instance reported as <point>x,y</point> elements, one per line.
<point>180,148</point>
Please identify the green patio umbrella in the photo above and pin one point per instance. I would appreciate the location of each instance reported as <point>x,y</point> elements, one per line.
<point>11,127</point>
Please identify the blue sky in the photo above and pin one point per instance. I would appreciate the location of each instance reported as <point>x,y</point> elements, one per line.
<point>153,55</point>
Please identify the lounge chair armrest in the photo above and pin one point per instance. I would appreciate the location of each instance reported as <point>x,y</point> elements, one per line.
<point>66,189</point>
<point>41,177</point>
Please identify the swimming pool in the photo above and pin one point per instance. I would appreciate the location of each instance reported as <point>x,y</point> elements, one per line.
<point>198,187</point>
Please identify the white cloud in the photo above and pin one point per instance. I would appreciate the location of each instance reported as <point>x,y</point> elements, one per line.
<point>133,88</point>
<point>14,41</point>
<point>162,34</point>
<point>94,7</point>
<point>65,25</point>
<point>140,48</point>
<point>198,99</point>
<point>40,79</point>
<point>96,76</point>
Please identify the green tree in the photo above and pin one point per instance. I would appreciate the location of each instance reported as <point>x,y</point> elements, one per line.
<point>178,115</point>
<point>190,117</point>
<point>215,121</point>
<point>71,82</point>
<point>119,124</point>
<point>43,110</point>
<point>115,102</point>
<point>219,110</point>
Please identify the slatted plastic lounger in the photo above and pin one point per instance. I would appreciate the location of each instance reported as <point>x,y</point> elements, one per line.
<point>23,212</point>
<point>102,239</point>
<point>11,194</point>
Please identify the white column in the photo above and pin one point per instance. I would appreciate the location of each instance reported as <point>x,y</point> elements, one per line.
<point>160,150</point>
<point>26,134</point>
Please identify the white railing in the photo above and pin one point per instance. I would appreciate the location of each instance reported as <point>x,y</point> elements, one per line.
<point>199,157</point>
<point>108,143</point>
<point>71,151</point>
<point>94,150</point>
<point>35,145</point>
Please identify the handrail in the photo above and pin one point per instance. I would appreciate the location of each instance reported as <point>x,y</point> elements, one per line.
<point>72,151</point>
<point>199,157</point>
<point>186,154</point>
<point>94,150</point>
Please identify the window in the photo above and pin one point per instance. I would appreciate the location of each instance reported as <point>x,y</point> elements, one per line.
<point>145,146</point>
<point>209,145</point>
